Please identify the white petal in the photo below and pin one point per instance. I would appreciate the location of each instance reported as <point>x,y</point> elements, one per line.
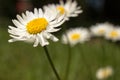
<point>42,40</point>
<point>58,24</point>
<point>12,40</point>
<point>24,16</point>
<point>40,13</point>
<point>73,15</point>
<point>36,12</point>
<point>79,11</point>
<point>32,16</point>
<point>17,24</point>
<point>36,42</point>
<point>61,2</point>
<point>52,37</point>
<point>50,29</point>
<point>21,19</point>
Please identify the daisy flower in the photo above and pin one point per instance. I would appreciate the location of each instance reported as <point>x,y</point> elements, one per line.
<point>104,73</point>
<point>113,34</point>
<point>70,8</point>
<point>35,27</point>
<point>100,29</point>
<point>74,36</point>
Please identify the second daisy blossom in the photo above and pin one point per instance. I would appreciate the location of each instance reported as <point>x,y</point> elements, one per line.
<point>74,36</point>
<point>35,27</point>
<point>69,8</point>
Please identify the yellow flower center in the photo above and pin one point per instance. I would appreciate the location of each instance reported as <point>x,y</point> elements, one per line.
<point>106,73</point>
<point>101,31</point>
<point>37,25</point>
<point>61,9</point>
<point>114,34</point>
<point>75,36</point>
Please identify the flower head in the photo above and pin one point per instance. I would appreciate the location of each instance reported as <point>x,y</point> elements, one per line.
<point>104,73</point>
<point>74,36</point>
<point>35,27</point>
<point>113,34</point>
<point>69,8</point>
<point>100,29</point>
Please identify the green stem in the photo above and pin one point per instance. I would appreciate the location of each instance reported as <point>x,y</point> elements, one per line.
<point>51,63</point>
<point>68,63</point>
<point>86,64</point>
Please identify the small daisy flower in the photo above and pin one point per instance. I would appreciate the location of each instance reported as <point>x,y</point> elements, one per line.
<point>104,73</point>
<point>113,34</point>
<point>100,29</point>
<point>70,8</point>
<point>74,36</point>
<point>35,27</point>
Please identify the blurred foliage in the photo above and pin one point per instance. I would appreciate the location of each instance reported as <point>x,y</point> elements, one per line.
<point>20,61</point>
<point>109,12</point>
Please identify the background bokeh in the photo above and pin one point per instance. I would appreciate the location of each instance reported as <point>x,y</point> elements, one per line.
<point>94,10</point>
<point>20,61</point>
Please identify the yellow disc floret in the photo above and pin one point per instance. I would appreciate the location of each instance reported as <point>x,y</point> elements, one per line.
<point>114,34</point>
<point>61,9</point>
<point>101,31</point>
<point>37,25</point>
<point>106,73</point>
<point>75,36</point>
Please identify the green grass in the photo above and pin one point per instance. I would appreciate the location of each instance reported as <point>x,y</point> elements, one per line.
<point>21,61</point>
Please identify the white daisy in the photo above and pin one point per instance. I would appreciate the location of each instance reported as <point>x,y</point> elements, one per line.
<point>74,36</point>
<point>104,73</point>
<point>113,34</point>
<point>100,29</point>
<point>70,8</point>
<point>35,27</point>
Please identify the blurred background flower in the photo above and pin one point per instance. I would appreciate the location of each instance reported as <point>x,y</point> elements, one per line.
<point>104,73</point>
<point>75,36</point>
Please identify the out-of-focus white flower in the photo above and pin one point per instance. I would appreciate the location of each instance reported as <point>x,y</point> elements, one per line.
<point>104,73</point>
<point>69,8</point>
<point>35,27</point>
<point>113,34</point>
<point>101,29</point>
<point>74,36</point>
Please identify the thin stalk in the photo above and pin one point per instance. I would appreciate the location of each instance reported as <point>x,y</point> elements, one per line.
<point>85,63</point>
<point>51,63</point>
